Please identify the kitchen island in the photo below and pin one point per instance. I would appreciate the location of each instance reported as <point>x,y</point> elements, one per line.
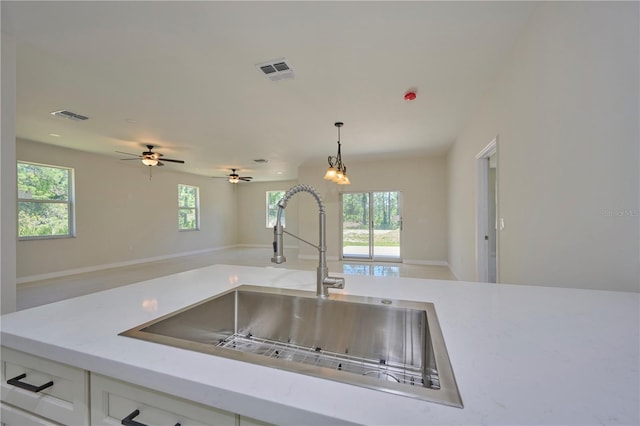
<point>520,354</point>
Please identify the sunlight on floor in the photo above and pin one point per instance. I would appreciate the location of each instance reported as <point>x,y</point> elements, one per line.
<point>375,270</point>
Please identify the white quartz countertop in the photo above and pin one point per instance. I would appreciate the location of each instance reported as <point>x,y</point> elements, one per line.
<point>522,355</point>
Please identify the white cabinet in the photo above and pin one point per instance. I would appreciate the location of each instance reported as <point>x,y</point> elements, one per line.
<point>113,400</point>
<point>28,398</point>
<point>42,391</point>
<point>12,416</point>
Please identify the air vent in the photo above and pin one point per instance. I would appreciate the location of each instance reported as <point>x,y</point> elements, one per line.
<point>276,70</point>
<point>261,160</point>
<point>70,115</point>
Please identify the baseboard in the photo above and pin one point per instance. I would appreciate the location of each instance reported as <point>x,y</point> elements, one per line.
<point>453,273</point>
<point>95,268</point>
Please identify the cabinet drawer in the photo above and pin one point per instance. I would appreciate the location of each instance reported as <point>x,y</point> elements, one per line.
<point>12,416</point>
<point>66,401</point>
<point>113,400</point>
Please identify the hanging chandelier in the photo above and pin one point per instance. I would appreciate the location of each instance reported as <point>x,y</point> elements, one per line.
<point>337,171</point>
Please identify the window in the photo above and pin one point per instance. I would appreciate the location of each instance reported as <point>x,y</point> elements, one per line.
<point>45,201</point>
<point>188,208</point>
<point>273,197</point>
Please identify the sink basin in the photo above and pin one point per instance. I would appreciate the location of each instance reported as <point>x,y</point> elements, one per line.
<point>389,345</point>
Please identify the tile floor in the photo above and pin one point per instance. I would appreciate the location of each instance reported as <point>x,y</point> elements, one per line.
<point>46,291</point>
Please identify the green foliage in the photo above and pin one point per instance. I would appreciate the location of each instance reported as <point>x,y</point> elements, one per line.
<point>187,219</point>
<point>43,200</point>
<point>355,210</point>
<point>187,196</point>
<point>187,207</point>
<point>42,182</point>
<point>273,198</point>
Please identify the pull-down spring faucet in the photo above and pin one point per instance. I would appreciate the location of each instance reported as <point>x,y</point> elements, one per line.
<point>324,281</point>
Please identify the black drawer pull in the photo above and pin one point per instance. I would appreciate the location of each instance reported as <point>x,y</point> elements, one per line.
<point>16,382</point>
<point>128,421</point>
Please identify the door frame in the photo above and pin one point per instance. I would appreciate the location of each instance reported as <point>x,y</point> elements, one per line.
<point>482,225</point>
<point>372,257</point>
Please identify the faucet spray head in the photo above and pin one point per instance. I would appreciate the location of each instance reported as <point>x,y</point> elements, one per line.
<point>278,245</point>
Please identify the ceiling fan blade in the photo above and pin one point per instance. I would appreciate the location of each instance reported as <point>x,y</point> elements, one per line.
<point>160,163</point>
<point>125,159</point>
<point>173,161</point>
<point>127,153</point>
<point>246,178</point>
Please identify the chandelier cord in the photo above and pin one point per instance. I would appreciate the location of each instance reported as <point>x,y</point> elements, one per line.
<point>337,160</point>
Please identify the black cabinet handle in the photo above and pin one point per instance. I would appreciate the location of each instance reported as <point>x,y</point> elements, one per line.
<point>16,382</point>
<point>128,421</point>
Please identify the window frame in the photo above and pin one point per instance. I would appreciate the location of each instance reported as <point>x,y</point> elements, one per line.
<point>69,202</point>
<point>195,209</point>
<point>268,210</point>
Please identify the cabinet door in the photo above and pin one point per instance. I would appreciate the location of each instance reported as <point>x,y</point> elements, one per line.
<point>113,400</point>
<point>65,401</point>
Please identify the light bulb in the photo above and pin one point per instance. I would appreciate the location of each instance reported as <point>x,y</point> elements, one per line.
<point>344,181</point>
<point>331,173</point>
<point>147,161</point>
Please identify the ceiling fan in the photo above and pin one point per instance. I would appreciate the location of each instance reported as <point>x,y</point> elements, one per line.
<point>233,177</point>
<point>150,158</point>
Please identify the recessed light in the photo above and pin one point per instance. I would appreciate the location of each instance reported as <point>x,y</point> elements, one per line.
<point>55,135</point>
<point>130,121</point>
<point>278,173</point>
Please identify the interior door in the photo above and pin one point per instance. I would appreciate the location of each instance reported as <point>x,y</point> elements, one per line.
<point>488,218</point>
<point>371,226</point>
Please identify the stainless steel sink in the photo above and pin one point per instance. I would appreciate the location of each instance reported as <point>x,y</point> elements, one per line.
<point>389,345</point>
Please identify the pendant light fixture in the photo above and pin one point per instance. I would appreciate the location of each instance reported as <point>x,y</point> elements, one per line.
<point>337,171</point>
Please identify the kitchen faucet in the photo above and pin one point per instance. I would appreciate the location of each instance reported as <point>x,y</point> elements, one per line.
<point>324,281</point>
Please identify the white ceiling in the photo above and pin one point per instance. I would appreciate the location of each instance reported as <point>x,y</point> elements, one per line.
<point>182,76</point>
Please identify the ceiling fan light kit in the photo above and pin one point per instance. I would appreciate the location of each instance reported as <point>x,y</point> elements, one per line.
<point>234,177</point>
<point>149,162</point>
<point>150,158</point>
<point>337,171</point>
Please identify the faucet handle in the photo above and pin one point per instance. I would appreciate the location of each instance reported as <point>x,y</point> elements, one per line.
<point>331,282</point>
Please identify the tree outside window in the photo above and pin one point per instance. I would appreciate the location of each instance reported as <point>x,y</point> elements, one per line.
<point>188,208</point>
<point>45,201</point>
<point>273,197</point>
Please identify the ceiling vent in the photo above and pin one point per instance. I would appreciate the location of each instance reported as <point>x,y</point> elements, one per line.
<point>70,115</point>
<point>276,70</point>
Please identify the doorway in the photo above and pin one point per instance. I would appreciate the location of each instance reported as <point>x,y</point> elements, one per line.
<point>487,214</point>
<point>371,226</point>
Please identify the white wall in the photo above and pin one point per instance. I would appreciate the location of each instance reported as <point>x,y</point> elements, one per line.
<point>8,175</point>
<point>122,216</point>
<point>252,228</point>
<point>422,182</point>
<point>566,109</point>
